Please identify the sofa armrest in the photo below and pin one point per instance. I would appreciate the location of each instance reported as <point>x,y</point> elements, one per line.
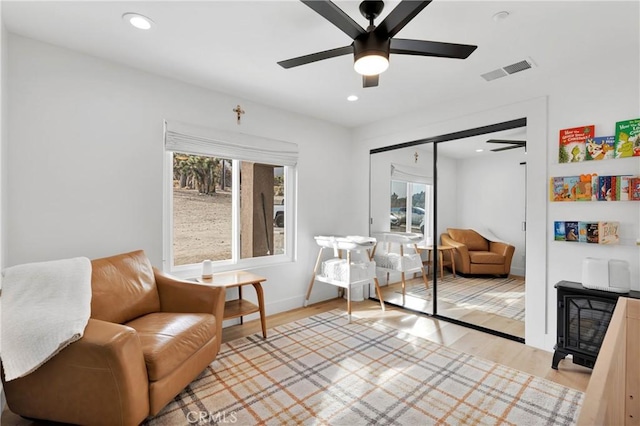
<point>189,297</point>
<point>461,253</point>
<point>84,381</point>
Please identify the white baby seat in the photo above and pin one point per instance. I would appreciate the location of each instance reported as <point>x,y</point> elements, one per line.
<point>398,252</point>
<point>356,270</point>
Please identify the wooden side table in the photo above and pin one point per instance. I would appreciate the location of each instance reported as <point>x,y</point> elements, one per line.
<point>442,262</point>
<point>240,307</point>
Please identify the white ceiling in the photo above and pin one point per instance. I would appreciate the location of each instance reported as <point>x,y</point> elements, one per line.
<point>233,46</point>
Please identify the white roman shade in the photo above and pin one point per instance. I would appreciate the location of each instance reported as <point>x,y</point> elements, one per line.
<point>191,139</point>
<point>406,173</point>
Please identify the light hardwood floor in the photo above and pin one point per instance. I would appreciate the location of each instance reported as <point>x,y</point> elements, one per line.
<point>503,351</point>
<point>507,352</point>
<point>392,293</point>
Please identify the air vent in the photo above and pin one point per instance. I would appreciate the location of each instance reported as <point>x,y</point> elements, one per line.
<point>492,75</point>
<point>507,70</point>
<point>517,67</point>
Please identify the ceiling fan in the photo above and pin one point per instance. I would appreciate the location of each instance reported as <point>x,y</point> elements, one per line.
<point>371,47</point>
<point>514,144</point>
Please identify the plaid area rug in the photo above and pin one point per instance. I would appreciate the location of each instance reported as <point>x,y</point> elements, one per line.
<point>323,370</point>
<point>499,296</point>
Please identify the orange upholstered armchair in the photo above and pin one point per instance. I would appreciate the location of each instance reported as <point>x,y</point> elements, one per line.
<point>148,337</point>
<point>474,254</point>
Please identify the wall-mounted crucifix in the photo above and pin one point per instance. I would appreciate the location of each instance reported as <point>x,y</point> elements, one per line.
<point>239,111</point>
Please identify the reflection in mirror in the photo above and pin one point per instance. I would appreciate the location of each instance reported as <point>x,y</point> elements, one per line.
<point>480,187</point>
<point>481,214</point>
<point>402,201</point>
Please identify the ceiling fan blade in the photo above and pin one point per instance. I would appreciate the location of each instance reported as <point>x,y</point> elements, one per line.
<point>510,141</point>
<point>370,80</point>
<point>399,17</point>
<point>307,59</point>
<point>431,48</point>
<point>507,147</point>
<point>336,16</point>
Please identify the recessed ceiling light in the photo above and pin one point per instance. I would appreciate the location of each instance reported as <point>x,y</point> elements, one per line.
<point>138,21</point>
<point>479,150</point>
<point>352,98</point>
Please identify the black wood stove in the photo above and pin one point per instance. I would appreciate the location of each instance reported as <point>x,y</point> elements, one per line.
<point>583,317</point>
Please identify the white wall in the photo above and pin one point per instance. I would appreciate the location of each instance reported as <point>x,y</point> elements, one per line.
<point>3,168</point>
<point>86,162</point>
<point>551,99</point>
<point>491,196</point>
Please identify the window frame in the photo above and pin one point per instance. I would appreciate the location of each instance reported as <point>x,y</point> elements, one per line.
<point>428,204</point>
<point>290,217</point>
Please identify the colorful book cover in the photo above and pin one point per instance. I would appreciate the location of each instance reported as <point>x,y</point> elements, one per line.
<point>583,188</point>
<point>559,233</point>
<point>600,148</point>
<point>604,188</point>
<point>627,138</point>
<point>571,231</point>
<point>556,189</point>
<point>582,232</point>
<point>623,187</point>
<point>634,188</point>
<point>570,183</point>
<point>592,233</point>
<point>573,143</point>
<point>614,188</point>
<point>608,232</point>
<point>595,180</point>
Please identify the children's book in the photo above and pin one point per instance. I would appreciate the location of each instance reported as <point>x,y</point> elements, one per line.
<point>571,231</point>
<point>583,188</point>
<point>604,188</point>
<point>627,138</point>
<point>582,232</point>
<point>634,188</point>
<point>556,189</point>
<point>592,233</point>
<point>608,232</point>
<point>559,233</point>
<point>595,180</point>
<point>573,143</point>
<point>570,184</point>
<point>614,188</point>
<point>600,148</point>
<point>623,187</point>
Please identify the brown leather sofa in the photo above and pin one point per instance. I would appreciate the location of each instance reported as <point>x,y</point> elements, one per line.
<point>475,255</point>
<point>148,337</point>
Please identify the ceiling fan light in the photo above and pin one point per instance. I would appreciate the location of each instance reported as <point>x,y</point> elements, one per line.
<point>373,64</point>
<point>371,54</point>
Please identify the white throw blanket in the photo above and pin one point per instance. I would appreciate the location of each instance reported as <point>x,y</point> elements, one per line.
<point>45,307</point>
<point>490,236</point>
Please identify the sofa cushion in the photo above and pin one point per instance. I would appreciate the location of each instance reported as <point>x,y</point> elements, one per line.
<point>469,238</point>
<point>169,339</point>
<point>123,287</point>
<point>486,257</point>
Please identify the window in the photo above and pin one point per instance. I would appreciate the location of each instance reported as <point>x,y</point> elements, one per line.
<point>411,201</point>
<point>408,213</point>
<point>231,202</point>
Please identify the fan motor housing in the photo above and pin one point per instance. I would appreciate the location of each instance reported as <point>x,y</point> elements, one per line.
<point>370,44</point>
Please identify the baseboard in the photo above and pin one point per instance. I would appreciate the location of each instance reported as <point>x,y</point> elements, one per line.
<point>281,306</point>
